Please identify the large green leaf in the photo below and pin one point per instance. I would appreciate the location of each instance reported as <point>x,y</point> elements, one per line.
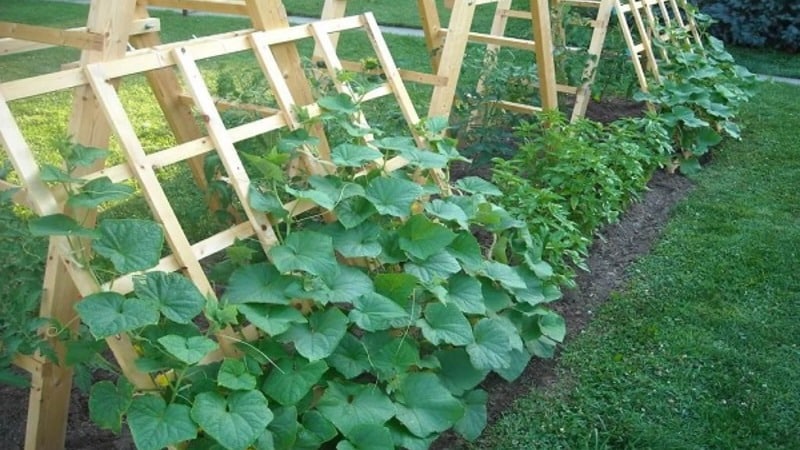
<point>389,355</point>
<point>340,103</point>
<point>270,319</point>
<point>328,191</point>
<point>350,358</point>
<point>403,439</point>
<point>467,251</point>
<point>505,275</point>
<point>393,196</point>
<point>408,150</point>
<point>433,269</point>
<point>316,431</point>
<point>465,292</point>
<point>109,313</point>
<point>284,428</point>
<point>348,406</point>
<point>189,350</point>
<point>320,336</point>
<point>132,245</point>
<point>59,225</point>
<point>553,326</point>
<point>234,375</point>
<point>82,156</point>
<point>52,174</point>
<point>374,312</point>
<point>519,361</point>
<point>475,185</point>
<point>421,238</point>
<point>474,421</point>
<point>307,251</point>
<point>354,211</point>
<point>361,241</point>
<point>98,191</point>
<point>260,283</point>
<point>445,324</point>
<point>155,425</point>
<point>177,297</point>
<point>397,286</point>
<point>236,421</point>
<point>457,372</point>
<point>492,348</point>
<point>367,437</point>
<point>108,403</point>
<point>350,155</point>
<point>293,379</point>
<point>448,211</point>
<point>425,406</point>
<point>266,202</point>
<point>344,287</point>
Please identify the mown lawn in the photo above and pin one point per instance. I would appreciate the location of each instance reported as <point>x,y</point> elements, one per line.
<point>701,350</point>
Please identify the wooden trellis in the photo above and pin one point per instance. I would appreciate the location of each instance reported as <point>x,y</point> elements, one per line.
<point>447,46</point>
<point>651,18</point>
<point>98,111</point>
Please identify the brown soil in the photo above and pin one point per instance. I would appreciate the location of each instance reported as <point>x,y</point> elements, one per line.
<point>614,249</point>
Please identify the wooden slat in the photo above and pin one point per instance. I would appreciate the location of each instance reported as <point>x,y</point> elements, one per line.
<point>583,93</point>
<point>10,46</point>
<point>228,155</point>
<point>517,107</point>
<point>80,39</point>
<point>545,64</point>
<point>407,75</point>
<point>522,44</point>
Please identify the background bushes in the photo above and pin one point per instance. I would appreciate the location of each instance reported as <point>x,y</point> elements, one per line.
<point>766,23</point>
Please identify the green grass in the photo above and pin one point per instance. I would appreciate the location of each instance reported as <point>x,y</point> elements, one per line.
<point>701,349</point>
<point>767,61</point>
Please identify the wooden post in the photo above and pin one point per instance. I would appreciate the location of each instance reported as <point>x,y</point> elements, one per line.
<point>600,30</point>
<point>540,9</point>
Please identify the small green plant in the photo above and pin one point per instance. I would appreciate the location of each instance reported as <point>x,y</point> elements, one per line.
<point>567,179</point>
<point>700,95</point>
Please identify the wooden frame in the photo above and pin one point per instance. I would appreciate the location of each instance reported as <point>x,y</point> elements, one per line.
<point>97,102</point>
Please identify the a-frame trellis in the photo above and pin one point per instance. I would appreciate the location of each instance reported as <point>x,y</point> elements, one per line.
<point>652,19</point>
<point>447,46</point>
<point>98,111</point>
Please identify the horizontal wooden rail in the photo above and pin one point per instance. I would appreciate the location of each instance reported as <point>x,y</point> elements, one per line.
<point>80,39</point>
<point>215,6</point>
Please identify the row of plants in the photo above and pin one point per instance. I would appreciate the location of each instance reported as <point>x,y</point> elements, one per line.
<point>375,326</point>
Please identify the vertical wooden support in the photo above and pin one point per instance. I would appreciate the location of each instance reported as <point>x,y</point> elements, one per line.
<point>269,15</point>
<point>451,58</point>
<point>542,36</point>
<point>432,27</point>
<point>167,89</point>
<point>46,427</point>
<point>600,25</point>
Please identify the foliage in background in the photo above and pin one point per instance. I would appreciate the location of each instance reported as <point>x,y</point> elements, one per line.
<point>701,93</point>
<point>766,23</point>
<point>568,179</point>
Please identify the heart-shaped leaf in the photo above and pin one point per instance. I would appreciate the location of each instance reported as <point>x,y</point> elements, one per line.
<point>421,238</point>
<point>344,287</point>
<point>306,251</point>
<point>425,406</point>
<point>320,336</point>
<point>491,349</point>
<point>109,313</point>
<point>354,211</point>
<point>361,241</point>
<point>189,350</point>
<point>177,297</point>
<point>457,372</point>
<point>433,269</point>
<point>234,375</point>
<point>374,312</point>
<point>350,358</point>
<point>236,421</point>
<point>367,437</point>
<point>272,320</point>
<point>155,425</point>
<point>108,403</point>
<point>474,421</point>
<point>448,211</point>
<point>341,103</point>
<point>132,245</point>
<point>476,185</point>
<point>260,283</point>
<point>393,196</point>
<point>445,324</point>
<point>350,155</point>
<point>349,406</point>
<point>293,379</point>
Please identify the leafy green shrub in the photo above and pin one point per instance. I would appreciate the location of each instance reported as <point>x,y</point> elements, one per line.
<point>567,179</point>
<point>371,329</point>
<point>700,96</point>
<point>767,23</point>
